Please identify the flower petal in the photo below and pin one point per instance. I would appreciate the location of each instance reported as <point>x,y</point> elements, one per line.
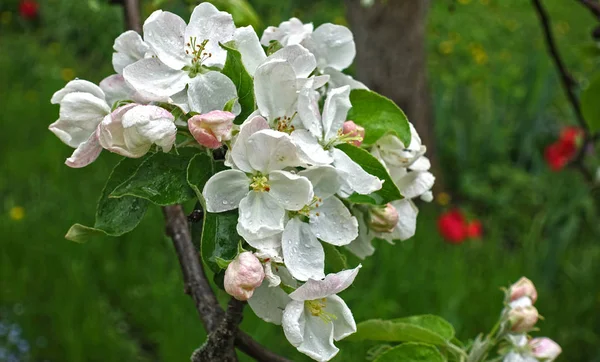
<point>224,190</point>
<point>210,92</point>
<point>241,147</point>
<point>270,150</point>
<point>129,48</point>
<point>208,23</point>
<point>308,111</point>
<point>80,114</point>
<point>164,33</point>
<point>302,252</point>
<point>299,57</point>
<point>325,180</point>
<point>77,85</point>
<point>293,322</point>
<point>85,153</point>
<point>291,191</point>
<point>344,324</point>
<point>268,303</point>
<point>154,77</point>
<point>275,89</point>
<point>339,79</point>
<point>335,111</point>
<point>332,45</point>
<point>332,284</point>
<point>116,89</point>
<point>333,223</point>
<point>309,149</point>
<point>271,241</point>
<point>354,178</point>
<point>260,215</point>
<point>247,43</point>
<point>407,223</point>
<point>146,125</point>
<point>288,33</point>
<point>318,339</point>
<point>361,246</point>
<point>314,82</point>
<point>421,164</point>
<point>415,183</point>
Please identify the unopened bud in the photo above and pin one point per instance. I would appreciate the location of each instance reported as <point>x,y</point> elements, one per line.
<point>211,129</point>
<point>353,130</point>
<point>522,319</point>
<point>545,348</point>
<point>523,288</point>
<point>243,275</point>
<point>384,219</point>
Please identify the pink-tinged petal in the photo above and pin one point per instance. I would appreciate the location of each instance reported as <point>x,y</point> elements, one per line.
<point>86,153</point>
<point>332,284</point>
<point>212,128</point>
<point>204,137</point>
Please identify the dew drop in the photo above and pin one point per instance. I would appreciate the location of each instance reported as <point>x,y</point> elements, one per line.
<point>225,202</point>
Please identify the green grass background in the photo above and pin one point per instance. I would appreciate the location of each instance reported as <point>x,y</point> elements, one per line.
<point>497,102</point>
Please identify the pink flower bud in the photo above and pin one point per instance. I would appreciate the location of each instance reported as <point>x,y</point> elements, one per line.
<point>212,128</point>
<point>545,348</point>
<point>384,219</point>
<point>243,275</point>
<point>522,319</point>
<point>523,288</point>
<point>352,129</point>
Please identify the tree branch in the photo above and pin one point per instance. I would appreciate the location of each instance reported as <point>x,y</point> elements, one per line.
<point>592,6</point>
<point>132,15</point>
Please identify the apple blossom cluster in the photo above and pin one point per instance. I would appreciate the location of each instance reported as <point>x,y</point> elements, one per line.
<point>521,316</point>
<point>285,172</point>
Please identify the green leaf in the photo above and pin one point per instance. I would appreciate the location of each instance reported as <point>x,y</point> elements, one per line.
<point>424,328</point>
<point>161,179</point>
<point>199,170</point>
<point>590,104</point>
<point>411,352</point>
<point>389,192</point>
<point>378,115</point>
<point>114,217</point>
<point>235,70</point>
<point>334,259</point>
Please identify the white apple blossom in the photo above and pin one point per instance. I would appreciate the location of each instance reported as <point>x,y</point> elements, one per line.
<point>82,108</point>
<point>183,55</point>
<point>316,316</point>
<point>259,186</point>
<point>129,48</point>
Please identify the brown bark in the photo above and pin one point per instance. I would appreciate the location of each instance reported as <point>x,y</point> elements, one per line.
<point>391,60</point>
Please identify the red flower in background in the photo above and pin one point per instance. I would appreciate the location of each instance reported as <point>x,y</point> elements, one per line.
<point>559,153</point>
<point>28,9</point>
<point>456,229</point>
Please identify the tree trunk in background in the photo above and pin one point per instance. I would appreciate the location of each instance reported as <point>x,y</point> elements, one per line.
<point>391,60</point>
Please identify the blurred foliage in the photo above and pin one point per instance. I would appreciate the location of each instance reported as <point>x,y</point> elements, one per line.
<point>498,102</point>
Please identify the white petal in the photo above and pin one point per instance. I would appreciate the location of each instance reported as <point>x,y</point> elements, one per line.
<point>308,111</point>
<point>415,183</point>
<point>164,33</point>
<point>146,125</point>
<point>129,48</point>
<point>270,150</point>
<point>318,339</point>
<point>288,33</point>
<point>309,149</point>
<point>332,222</point>
<point>299,57</point>
<point>241,149</point>
<point>354,178</point>
<point>116,89</point>
<point>275,89</point>
<point>210,92</point>
<point>294,322</point>
<point>80,114</point>
<point>335,111</point>
<point>224,190</point>
<point>77,85</point>
<point>260,215</point>
<point>344,324</point>
<point>339,79</point>
<point>86,153</point>
<point>268,303</point>
<point>361,246</point>
<point>248,45</point>
<point>407,222</point>
<point>325,180</point>
<point>333,46</point>
<point>208,23</point>
<point>302,252</point>
<point>291,191</point>
<point>272,241</point>
<point>314,82</point>
<point>152,76</point>
<point>421,164</point>
<point>332,284</point>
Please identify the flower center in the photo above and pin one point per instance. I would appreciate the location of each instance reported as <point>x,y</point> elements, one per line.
<point>199,55</point>
<point>260,183</point>
<point>309,207</point>
<point>317,309</point>
<point>284,124</point>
